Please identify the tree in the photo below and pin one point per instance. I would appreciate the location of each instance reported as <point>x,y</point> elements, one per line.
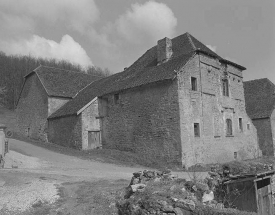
<point>13,68</point>
<point>3,95</point>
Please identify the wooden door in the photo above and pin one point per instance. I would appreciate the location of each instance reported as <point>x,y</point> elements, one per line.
<point>265,200</point>
<point>93,139</point>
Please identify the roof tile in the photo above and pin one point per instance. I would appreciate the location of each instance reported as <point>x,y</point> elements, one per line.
<point>63,83</point>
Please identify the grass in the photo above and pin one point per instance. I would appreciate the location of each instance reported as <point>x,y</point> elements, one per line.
<point>113,156</point>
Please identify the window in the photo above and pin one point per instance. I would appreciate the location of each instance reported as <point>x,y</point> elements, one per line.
<point>248,126</point>
<point>241,124</point>
<point>194,83</point>
<point>196,129</point>
<point>228,127</point>
<point>104,107</point>
<point>116,98</point>
<point>225,89</point>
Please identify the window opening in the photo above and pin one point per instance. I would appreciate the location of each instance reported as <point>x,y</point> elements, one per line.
<point>194,83</point>
<point>248,126</point>
<point>228,127</point>
<point>235,155</point>
<point>116,98</point>
<point>225,89</point>
<point>241,124</point>
<point>196,129</point>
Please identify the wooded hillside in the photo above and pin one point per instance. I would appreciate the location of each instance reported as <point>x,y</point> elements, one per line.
<point>14,68</point>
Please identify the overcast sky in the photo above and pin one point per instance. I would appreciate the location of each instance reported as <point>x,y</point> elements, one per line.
<point>114,33</point>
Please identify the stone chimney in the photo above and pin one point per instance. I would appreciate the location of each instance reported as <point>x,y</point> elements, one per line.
<point>164,50</point>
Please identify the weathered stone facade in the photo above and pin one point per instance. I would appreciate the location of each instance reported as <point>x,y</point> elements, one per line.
<point>73,131</point>
<point>90,123</point>
<point>260,103</point>
<point>66,131</point>
<point>144,120</point>
<point>208,107</point>
<point>45,90</point>
<point>34,106</point>
<point>32,109</point>
<point>179,102</point>
<point>272,143</point>
<point>157,120</point>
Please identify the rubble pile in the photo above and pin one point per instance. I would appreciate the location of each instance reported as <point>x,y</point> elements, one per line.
<point>160,192</point>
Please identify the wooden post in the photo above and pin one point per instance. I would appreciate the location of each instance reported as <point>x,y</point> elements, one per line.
<point>2,139</point>
<point>256,193</point>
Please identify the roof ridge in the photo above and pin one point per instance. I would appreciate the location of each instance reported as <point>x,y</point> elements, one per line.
<point>66,70</point>
<point>37,68</point>
<point>191,41</point>
<point>257,80</point>
<point>88,85</point>
<point>59,69</point>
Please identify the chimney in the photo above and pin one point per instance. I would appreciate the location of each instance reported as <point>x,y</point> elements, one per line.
<point>164,50</point>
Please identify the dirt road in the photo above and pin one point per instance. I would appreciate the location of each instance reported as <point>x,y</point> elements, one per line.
<point>34,185</point>
<point>64,165</point>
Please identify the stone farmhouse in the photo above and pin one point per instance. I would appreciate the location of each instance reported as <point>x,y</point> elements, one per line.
<point>179,102</point>
<point>46,89</point>
<point>260,105</point>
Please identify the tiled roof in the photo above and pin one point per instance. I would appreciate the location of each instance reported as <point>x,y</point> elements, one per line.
<point>121,81</point>
<point>143,71</point>
<point>62,83</point>
<point>259,98</point>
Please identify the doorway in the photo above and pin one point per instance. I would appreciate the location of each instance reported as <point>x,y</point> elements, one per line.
<point>93,139</point>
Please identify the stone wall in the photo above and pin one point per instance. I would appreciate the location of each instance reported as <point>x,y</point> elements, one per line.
<point>32,109</point>
<point>54,103</point>
<point>66,131</point>
<point>265,132</point>
<point>90,123</point>
<point>208,107</point>
<point>273,130</point>
<point>144,120</point>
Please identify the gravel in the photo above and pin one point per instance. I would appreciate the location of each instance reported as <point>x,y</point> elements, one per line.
<point>21,198</point>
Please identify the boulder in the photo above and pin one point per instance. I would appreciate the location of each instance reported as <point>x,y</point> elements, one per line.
<point>148,174</point>
<point>138,187</point>
<point>180,211</point>
<point>137,174</point>
<point>208,196</point>
<point>186,204</point>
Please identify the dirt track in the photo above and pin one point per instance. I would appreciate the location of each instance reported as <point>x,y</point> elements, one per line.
<point>40,172</point>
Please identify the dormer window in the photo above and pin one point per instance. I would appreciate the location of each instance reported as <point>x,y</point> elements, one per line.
<point>225,87</point>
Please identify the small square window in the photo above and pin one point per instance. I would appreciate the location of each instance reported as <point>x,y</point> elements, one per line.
<point>196,129</point>
<point>194,83</point>
<point>241,124</point>
<point>116,98</point>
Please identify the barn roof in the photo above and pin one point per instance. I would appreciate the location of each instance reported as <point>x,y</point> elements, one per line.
<point>143,71</point>
<point>62,83</point>
<point>259,98</point>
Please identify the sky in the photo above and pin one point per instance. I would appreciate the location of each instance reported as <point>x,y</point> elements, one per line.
<point>114,33</point>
